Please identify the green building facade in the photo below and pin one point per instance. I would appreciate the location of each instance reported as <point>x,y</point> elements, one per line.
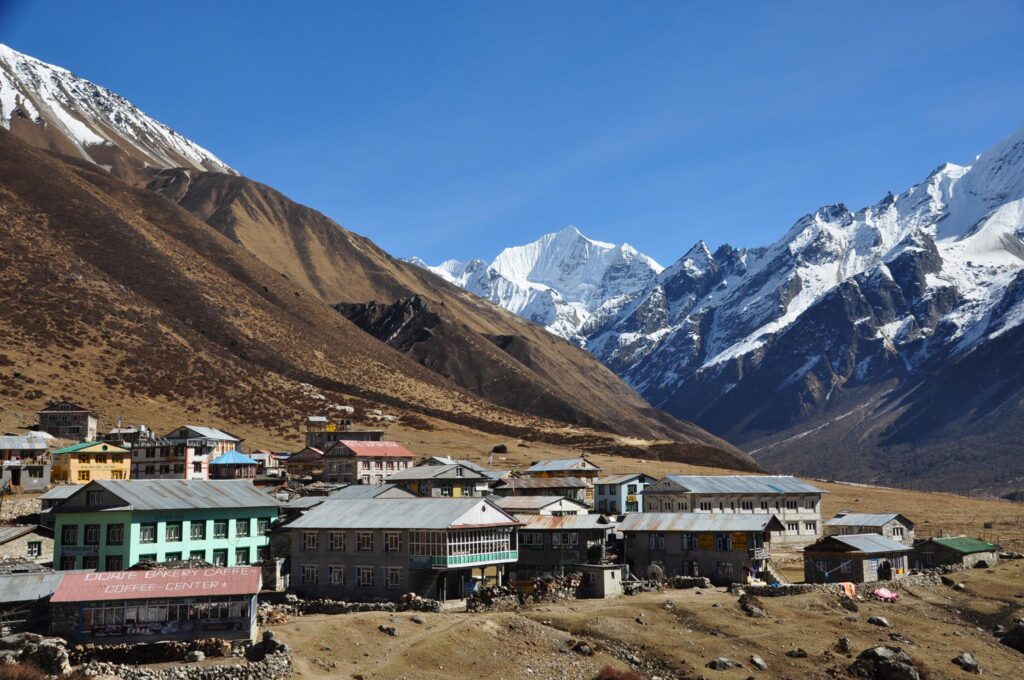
<point>112,525</point>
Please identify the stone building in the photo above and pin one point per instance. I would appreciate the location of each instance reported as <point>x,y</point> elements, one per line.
<point>28,542</point>
<point>575,468</point>
<point>858,558</point>
<point>554,545</point>
<point>556,506</point>
<point>891,525</point>
<point>452,481</point>
<point>323,432</point>
<point>365,462</point>
<point>796,503</point>
<point>66,420</point>
<point>955,550</point>
<point>567,487</point>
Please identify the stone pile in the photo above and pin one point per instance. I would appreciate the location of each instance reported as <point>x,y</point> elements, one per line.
<point>149,652</point>
<point>277,666</point>
<point>277,613</point>
<point>683,582</point>
<point>50,655</point>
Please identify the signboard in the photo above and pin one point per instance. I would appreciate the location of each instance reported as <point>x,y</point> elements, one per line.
<point>420,562</point>
<point>739,540</point>
<point>631,499</point>
<point>706,541</point>
<point>129,585</point>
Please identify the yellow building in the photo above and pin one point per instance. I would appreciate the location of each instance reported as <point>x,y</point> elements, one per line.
<point>89,461</point>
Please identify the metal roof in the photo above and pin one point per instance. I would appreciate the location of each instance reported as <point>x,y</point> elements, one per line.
<point>101,447</point>
<point>696,521</point>
<point>864,519</point>
<point>759,484</point>
<point>621,479</point>
<point>158,583</point>
<point>9,533</point>
<point>29,587</point>
<point>233,458</point>
<point>965,544</point>
<point>356,491</point>
<point>375,449</point>
<point>182,494</point>
<point>562,464</point>
<point>435,472</point>
<point>543,483</point>
<point>60,492</point>
<point>513,503</point>
<point>317,419</point>
<point>399,513</point>
<point>565,523</point>
<point>870,544</point>
<point>208,433</point>
<point>22,442</point>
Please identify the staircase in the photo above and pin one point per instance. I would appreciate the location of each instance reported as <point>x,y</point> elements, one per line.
<point>773,574</point>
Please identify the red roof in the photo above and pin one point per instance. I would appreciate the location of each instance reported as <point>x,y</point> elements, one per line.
<point>376,449</point>
<point>139,585</point>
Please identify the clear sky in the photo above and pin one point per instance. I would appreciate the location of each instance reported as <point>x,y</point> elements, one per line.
<point>452,129</point>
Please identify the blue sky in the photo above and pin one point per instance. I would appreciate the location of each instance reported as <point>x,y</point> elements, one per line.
<point>452,129</point>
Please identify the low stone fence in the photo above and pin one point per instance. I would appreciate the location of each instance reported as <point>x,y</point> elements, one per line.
<point>293,606</point>
<point>545,589</point>
<point>683,582</point>
<point>277,666</point>
<point>153,652</point>
<point>933,577</point>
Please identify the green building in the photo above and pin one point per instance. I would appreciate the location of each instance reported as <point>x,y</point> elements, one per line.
<point>110,525</point>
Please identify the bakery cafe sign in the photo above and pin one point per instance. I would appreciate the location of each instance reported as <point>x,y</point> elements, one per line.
<point>163,581</point>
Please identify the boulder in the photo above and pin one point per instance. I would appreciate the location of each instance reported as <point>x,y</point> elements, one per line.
<point>1015,638</point>
<point>758,663</point>
<point>844,645</point>
<point>885,663</point>
<point>967,661</point>
<point>194,656</point>
<point>878,621</point>
<point>798,653</point>
<point>723,663</point>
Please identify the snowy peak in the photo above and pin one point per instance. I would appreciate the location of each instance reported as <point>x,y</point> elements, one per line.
<point>50,107</point>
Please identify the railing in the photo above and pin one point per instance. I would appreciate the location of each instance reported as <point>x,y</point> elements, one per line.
<point>473,559</point>
<point>759,554</point>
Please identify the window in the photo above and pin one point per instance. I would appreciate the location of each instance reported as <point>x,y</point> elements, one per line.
<point>197,555</point>
<point>35,472</point>
<point>310,539</point>
<point>811,527</point>
<point>790,505</point>
<point>172,556</point>
<point>364,541</point>
<point>94,498</point>
<point>172,532</point>
<point>337,575</point>
<point>115,534</point>
<point>92,534</point>
<point>793,527</point>
<point>689,541</point>
<point>723,542</point>
<point>394,577</point>
<point>220,528</point>
<point>69,535</point>
<point>100,458</point>
<point>262,553</point>
<point>378,465</point>
<point>242,528</point>
<point>117,474</point>
<point>115,563</point>
<point>459,472</point>
<point>365,576</point>
<point>83,475</point>
<point>147,533</point>
<point>197,530</point>
<point>262,525</point>
<point>35,548</point>
<point>821,566</point>
<point>446,491</point>
<point>241,556</point>
<point>631,489</point>
<point>764,505</point>
<point>197,467</point>
<point>91,562</point>
<point>747,506</point>
<point>337,541</point>
<point>309,575</point>
<point>846,567</point>
<point>392,541</point>
<point>897,532</point>
<point>150,469</point>
<point>148,557</point>
<point>220,558</point>
<point>656,541</point>
<point>809,504</point>
<point>705,506</point>
<point>67,563</point>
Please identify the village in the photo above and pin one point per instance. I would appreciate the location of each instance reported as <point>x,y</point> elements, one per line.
<point>128,548</point>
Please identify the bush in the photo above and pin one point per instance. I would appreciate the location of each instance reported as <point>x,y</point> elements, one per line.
<point>21,671</point>
<point>609,673</point>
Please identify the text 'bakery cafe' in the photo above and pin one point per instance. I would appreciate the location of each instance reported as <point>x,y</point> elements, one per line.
<point>125,606</point>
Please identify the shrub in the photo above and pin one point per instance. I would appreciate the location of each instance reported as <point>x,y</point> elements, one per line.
<point>21,671</point>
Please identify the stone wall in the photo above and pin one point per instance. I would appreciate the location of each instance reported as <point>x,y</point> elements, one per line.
<point>294,606</point>
<point>277,666</point>
<point>18,548</point>
<point>932,577</point>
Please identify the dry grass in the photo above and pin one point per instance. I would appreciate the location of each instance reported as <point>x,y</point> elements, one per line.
<point>21,671</point>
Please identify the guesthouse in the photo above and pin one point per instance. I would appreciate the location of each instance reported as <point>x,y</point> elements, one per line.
<point>453,481</point>
<point>859,558</point>
<point>892,525</point>
<point>619,494</point>
<point>90,461</point>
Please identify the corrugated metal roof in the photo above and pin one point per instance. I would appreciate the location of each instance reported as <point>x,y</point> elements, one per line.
<point>304,502</point>
<point>862,519</point>
<point>621,479</point>
<point>101,447</point>
<point>317,419</point>
<point>158,583</point>
<point>760,484</point>
<point>561,465</point>
<point>9,533</point>
<point>513,503</point>
<point>21,442</point>
<point>397,513</point>
<point>355,491</point>
<point>965,544</point>
<point>60,492</point>
<point>233,458</point>
<point>565,522</point>
<point>375,449</point>
<point>865,543</point>
<point>544,483</point>
<point>210,433</point>
<point>183,494</point>
<point>696,521</point>
<point>435,472</point>
<point>29,587</point>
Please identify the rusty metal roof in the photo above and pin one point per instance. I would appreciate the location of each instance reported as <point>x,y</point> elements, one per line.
<point>543,483</point>
<point>9,533</point>
<point>561,465</point>
<point>514,503</point>
<point>375,449</point>
<point>565,523</point>
<point>698,521</point>
<point>181,494</point>
<point>158,583</point>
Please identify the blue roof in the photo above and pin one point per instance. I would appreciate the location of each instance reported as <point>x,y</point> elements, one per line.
<point>233,457</point>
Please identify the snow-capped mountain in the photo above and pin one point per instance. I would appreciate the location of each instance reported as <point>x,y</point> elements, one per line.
<point>54,109</point>
<point>559,281</point>
<point>849,312</point>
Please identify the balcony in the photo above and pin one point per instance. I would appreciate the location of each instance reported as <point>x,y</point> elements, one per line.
<point>426,562</point>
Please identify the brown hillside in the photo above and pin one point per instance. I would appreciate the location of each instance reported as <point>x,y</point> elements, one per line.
<point>476,344</point>
<point>116,297</point>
